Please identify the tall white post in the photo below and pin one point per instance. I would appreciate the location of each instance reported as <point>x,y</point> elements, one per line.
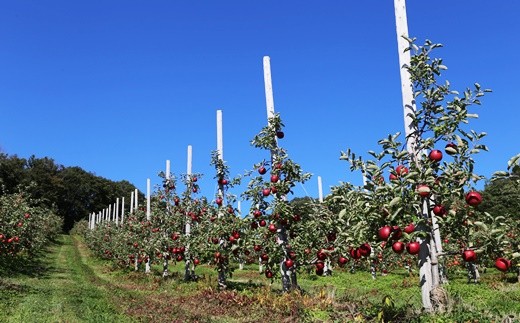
<point>136,200</point>
<point>117,211</point>
<point>406,83</point>
<point>269,100</point>
<point>220,140</point>
<point>131,202</point>
<point>188,173</point>
<point>167,175</point>
<point>122,210</point>
<point>148,213</point>
<point>320,190</point>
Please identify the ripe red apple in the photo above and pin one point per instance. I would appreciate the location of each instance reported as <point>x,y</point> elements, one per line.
<point>473,198</point>
<point>398,247</point>
<point>218,255</point>
<point>262,223</point>
<point>469,255</point>
<point>289,263</point>
<point>397,233</point>
<point>392,177</point>
<point>231,239</point>
<point>257,213</point>
<point>196,261</point>
<point>321,255</point>
<point>439,210</point>
<point>451,149</point>
<point>268,273</point>
<point>502,264</point>
<point>262,170</point>
<point>219,201</point>
<point>401,170</point>
<point>384,232</point>
<point>274,189</point>
<point>435,155</point>
<point>342,261</point>
<point>355,253</point>
<point>136,245</point>
<point>236,235</point>
<point>274,178</point>
<point>413,247</point>
<point>365,249</point>
<point>194,189</point>
<point>409,228</point>
<point>266,191</point>
<point>257,247</point>
<point>194,179</point>
<point>272,227</point>
<point>27,215</point>
<point>264,257</point>
<point>223,181</point>
<point>292,255</point>
<point>320,265</point>
<point>423,190</point>
<point>280,134</point>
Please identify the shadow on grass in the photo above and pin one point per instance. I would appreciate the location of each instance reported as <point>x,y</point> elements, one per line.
<point>33,266</point>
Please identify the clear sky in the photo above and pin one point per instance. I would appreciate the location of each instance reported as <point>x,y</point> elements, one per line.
<point>118,87</point>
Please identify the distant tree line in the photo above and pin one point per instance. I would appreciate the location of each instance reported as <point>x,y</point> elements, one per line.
<point>71,192</point>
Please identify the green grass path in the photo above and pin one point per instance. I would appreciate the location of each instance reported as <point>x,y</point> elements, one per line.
<point>62,289</point>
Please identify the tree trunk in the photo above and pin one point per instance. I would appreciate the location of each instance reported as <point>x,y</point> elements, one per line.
<point>289,279</point>
<point>165,265</point>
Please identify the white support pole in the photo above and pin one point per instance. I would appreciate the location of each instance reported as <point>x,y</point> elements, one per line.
<point>114,213</point>
<point>117,211</point>
<point>320,190</point>
<point>269,100</point>
<point>220,140</point>
<point>167,174</point>
<point>104,216</point>
<point>122,210</point>
<point>136,200</point>
<point>131,202</point>
<point>406,83</point>
<point>148,213</point>
<point>188,173</point>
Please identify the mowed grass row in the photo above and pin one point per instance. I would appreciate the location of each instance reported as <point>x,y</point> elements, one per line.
<point>68,285</point>
<point>60,288</point>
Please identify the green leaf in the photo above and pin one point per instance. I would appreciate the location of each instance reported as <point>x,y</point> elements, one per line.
<point>395,200</point>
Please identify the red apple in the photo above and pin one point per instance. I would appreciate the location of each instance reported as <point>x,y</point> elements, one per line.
<point>264,257</point>
<point>262,170</point>
<point>409,228</point>
<point>469,255</point>
<point>321,255</point>
<point>473,198</point>
<point>401,170</point>
<point>268,273</point>
<point>413,247</point>
<point>257,213</point>
<point>384,232</point>
<point>219,201</point>
<point>342,261</point>
<point>392,177</point>
<point>502,264</point>
<point>274,178</point>
<point>262,223</point>
<point>272,227</point>
<point>355,253</point>
<point>435,155</point>
<point>320,265</point>
<point>423,190</point>
<point>398,247</point>
<point>194,179</point>
<point>397,233</point>
<point>289,263</point>
<point>266,191</point>
<point>365,250</point>
<point>280,134</point>
<point>439,210</point>
<point>196,261</point>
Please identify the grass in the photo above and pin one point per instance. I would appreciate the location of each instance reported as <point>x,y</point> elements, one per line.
<point>67,284</point>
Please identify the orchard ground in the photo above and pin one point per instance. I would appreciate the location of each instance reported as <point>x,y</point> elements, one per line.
<point>68,284</point>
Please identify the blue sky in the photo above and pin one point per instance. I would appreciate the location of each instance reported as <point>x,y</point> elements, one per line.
<point>118,87</point>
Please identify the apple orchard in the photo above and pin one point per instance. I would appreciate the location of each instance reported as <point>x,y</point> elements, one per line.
<point>417,209</point>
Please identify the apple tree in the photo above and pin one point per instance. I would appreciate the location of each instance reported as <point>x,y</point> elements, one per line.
<point>424,184</point>
<point>271,213</point>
